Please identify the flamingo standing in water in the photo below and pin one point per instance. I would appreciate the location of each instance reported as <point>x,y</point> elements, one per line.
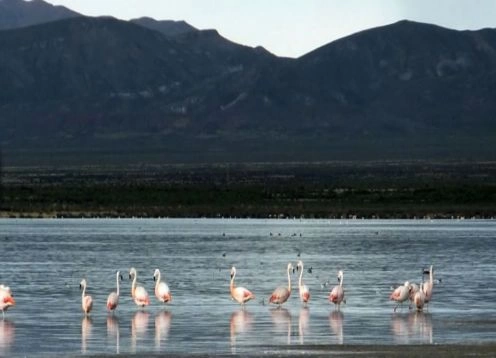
<point>162,291</point>
<point>400,294</point>
<point>419,298</point>
<point>239,294</point>
<point>337,293</point>
<point>138,293</point>
<point>86,300</point>
<point>304,291</point>
<point>113,297</point>
<point>429,285</point>
<point>281,294</point>
<point>6,299</point>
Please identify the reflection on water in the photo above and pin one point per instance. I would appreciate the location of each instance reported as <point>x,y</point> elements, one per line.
<point>113,332</point>
<point>7,335</point>
<point>139,327</point>
<point>53,255</point>
<point>239,323</point>
<point>303,323</point>
<point>412,327</point>
<point>162,327</point>
<point>336,318</point>
<point>281,319</point>
<point>86,327</point>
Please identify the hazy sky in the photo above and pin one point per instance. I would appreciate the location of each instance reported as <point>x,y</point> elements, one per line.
<point>294,27</point>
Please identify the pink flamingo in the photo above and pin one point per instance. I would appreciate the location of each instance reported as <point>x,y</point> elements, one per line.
<point>304,291</point>
<point>429,285</point>
<point>400,294</point>
<point>162,291</point>
<point>281,294</point>
<point>419,298</point>
<point>113,297</point>
<point>139,294</point>
<point>86,300</point>
<point>6,299</point>
<point>239,294</point>
<point>336,295</point>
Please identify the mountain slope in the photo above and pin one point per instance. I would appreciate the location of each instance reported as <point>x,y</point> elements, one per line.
<point>167,27</point>
<point>20,13</point>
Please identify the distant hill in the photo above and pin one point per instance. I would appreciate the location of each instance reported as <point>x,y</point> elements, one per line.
<point>100,89</point>
<point>20,13</point>
<point>167,27</point>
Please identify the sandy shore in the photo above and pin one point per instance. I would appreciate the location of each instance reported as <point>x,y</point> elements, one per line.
<point>455,350</point>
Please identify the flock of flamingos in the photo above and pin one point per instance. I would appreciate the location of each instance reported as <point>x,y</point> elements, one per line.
<point>419,295</point>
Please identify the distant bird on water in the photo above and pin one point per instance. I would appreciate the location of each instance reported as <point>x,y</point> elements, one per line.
<point>138,293</point>
<point>239,294</point>
<point>86,300</point>
<point>162,291</point>
<point>337,293</point>
<point>304,291</point>
<point>113,297</point>
<point>281,294</point>
<point>6,299</point>
<point>400,294</point>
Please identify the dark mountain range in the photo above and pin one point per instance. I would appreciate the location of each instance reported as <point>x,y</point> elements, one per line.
<point>167,27</point>
<point>94,88</point>
<point>20,13</point>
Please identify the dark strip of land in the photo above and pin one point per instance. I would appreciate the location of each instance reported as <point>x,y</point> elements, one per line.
<point>310,190</point>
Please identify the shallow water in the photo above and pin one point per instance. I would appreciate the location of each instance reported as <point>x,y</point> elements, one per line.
<point>43,262</point>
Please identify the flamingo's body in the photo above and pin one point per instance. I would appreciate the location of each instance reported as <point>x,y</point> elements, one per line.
<point>239,294</point>
<point>86,300</point>
<point>162,291</point>
<point>6,299</point>
<point>138,293</point>
<point>304,291</point>
<point>113,297</point>
<point>336,295</point>
<point>281,294</point>
<point>429,285</point>
<point>419,299</point>
<point>400,294</point>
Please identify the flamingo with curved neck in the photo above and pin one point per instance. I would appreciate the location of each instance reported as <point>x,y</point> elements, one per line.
<point>138,293</point>
<point>162,291</point>
<point>113,297</point>
<point>304,291</point>
<point>281,294</point>
<point>429,285</point>
<point>86,300</point>
<point>239,294</point>
<point>337,294</point>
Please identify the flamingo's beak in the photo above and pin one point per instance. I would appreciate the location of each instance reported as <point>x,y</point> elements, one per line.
<point>129,276</point>
<point>232,276</point>
<point>154,279</point>
<point>121,277</point>
<point>80,287</point>
<point>339,279</point>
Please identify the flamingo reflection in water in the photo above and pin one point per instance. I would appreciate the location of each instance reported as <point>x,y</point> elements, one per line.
<point>7,336</point>
<point>162,327</point>
<point>139,327</point>
<point>240,323</point>
<point>413,327</point>
<point>86,327</point>
<point>282,321</point>
<point>113,332</point>
<point>303,323</point>
<point>336,323</point>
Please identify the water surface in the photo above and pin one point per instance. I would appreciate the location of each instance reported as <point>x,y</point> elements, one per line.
<point>43,262</point>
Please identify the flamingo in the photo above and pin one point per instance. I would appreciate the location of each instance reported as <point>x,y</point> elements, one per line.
<point>419,298</point>
<point>6,299</point>
<point>113,297</point>
<point>162,291</point>
<point>336,295</point>
<point>281,294</point>
<point>304,291</point>
<point>429,285</point>
<point>86,300</point>
<point>400,294</point>
<point>139,294</point>
<point>413,289</point>
<point>239,294</point>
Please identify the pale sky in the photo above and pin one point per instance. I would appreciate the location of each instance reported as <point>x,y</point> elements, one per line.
<point>294,27</point>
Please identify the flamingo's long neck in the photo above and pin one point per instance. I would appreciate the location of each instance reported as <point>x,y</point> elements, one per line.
<point>158,280</point>
<point>341,280</point>
<point>231,286</point>
<point>117,280</point>
<point>301,276</point>
<point>133,285</point>
<point>84,291</point>
<point>431,276</point>
<point>289,280</point>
